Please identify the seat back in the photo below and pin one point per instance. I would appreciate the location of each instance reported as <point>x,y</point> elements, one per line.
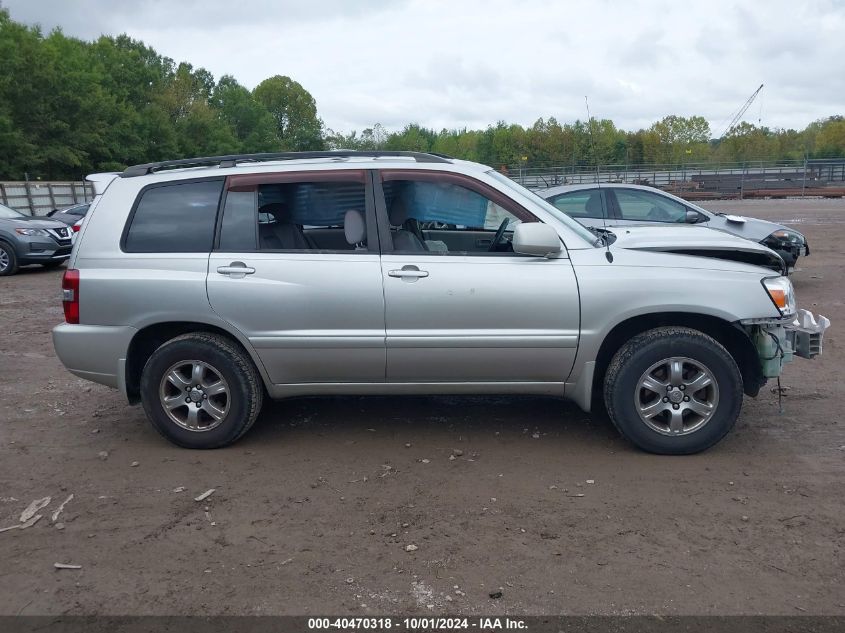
<point>283,234</point>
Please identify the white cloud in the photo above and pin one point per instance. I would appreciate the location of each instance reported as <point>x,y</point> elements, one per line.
<point>471,63</point>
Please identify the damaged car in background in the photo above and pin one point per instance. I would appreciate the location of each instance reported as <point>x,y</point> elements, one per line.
<point>624,205</point>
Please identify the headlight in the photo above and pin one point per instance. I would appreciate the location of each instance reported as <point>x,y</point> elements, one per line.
<point>31,232</point>
<point>781,293</point>
<point>785,235</point>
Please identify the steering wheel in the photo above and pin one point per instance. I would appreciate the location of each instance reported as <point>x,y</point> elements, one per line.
<point>500,233</point>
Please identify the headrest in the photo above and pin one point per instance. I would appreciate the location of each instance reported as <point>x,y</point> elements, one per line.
<point>398,212</point>
<point>354,227</point>
<point>277,209</point>
<point>594,206</point>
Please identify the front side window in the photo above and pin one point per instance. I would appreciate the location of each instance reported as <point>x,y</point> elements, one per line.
<point>443,218</point>
<point>644,206</point>
<point>586,203</point>
<point>296,215</point>
<point>174,218</point>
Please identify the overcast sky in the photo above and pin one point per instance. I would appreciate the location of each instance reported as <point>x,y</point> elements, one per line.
<point>470,63</point>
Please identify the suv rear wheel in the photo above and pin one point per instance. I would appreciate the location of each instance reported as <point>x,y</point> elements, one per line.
<point>200,390</point>
<point>673,391</point>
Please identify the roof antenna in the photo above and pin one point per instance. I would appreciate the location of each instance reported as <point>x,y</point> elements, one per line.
<point>608,255</point>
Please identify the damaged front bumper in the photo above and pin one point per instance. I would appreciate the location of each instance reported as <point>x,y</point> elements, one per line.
<point>778,341</point>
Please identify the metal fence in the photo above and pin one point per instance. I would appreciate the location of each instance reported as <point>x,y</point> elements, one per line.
<point>692,181</point>
<point>39,198</point>
<point>757,178</point>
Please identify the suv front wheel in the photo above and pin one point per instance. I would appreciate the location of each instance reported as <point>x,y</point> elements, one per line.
<point>201,390</point>
<point>673,390</point>
<point>8,259</point>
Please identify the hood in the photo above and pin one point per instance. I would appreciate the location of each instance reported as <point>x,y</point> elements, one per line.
<point>744,226</point>
<point>35,223</point>
<point>687,239</point>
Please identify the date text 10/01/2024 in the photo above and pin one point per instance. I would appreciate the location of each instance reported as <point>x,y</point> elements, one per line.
<point>417,624</point>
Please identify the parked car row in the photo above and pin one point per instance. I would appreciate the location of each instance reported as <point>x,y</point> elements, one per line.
<point>197,287</point>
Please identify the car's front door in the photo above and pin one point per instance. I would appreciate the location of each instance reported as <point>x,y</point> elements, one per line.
<point>638,206</point>
<point>310,303</point>
<point>460,305</point>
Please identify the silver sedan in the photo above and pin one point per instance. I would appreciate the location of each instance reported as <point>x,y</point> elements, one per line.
<point>615,204</point>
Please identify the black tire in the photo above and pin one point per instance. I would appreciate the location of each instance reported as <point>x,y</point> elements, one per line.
<point>232,364</point>
<point>636,356</point>
<point>12,266</point>
<point>52,265</point>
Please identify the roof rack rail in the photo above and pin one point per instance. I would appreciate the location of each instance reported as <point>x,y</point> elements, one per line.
<point>233,159</point>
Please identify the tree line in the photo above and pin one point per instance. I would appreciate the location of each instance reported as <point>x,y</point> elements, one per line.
<point>69,107</point>
<point>673,140</point>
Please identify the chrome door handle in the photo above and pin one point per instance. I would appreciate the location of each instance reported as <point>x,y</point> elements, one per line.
<point>410,272</point>
<point>236,270</point>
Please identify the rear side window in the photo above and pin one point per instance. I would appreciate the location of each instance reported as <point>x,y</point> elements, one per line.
<point>580,204</point>
<point>175,218</point>
<point>296,213</point>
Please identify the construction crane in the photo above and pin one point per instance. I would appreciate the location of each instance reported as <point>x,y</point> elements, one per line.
<point>741,111</point>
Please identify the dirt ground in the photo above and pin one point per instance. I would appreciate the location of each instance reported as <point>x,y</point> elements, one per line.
<point>313,509</point>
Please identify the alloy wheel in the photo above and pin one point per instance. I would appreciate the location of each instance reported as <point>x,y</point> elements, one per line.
<point>676,396</point>
<point>194,395</point>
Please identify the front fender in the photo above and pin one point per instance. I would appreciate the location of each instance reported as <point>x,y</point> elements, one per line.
<point>639,283</point>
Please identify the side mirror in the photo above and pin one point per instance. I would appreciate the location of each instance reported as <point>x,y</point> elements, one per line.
<point>692,217</point>
<point>535,238</point>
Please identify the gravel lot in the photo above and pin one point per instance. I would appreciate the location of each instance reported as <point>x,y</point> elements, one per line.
<point>313,510</point>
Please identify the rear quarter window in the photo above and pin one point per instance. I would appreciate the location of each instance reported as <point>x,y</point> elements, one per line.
<point>174,218</point>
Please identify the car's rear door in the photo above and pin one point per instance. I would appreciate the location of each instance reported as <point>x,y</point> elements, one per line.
<point>313,315</point>
<point>588,206</point>
<point>471,315</point>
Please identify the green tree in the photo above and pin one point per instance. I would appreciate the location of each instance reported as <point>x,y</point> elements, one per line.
<point>412,138</point>
<point>677,139</point>
<point>830,141</point>
<point>746,142</point>
<point>251,123</point>
<point>294,112</point>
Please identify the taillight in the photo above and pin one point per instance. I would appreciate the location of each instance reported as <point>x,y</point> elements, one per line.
<point>77,225</point>
<point>70,295</point>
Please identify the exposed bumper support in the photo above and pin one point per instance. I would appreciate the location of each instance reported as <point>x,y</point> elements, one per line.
<point>808,334</point>
<point>778,342</point>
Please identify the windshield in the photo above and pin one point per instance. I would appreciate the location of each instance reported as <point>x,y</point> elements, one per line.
<point>582,232</point>
<point>9,214</point>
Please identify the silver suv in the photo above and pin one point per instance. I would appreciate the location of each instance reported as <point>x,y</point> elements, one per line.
<point>199,287</point>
